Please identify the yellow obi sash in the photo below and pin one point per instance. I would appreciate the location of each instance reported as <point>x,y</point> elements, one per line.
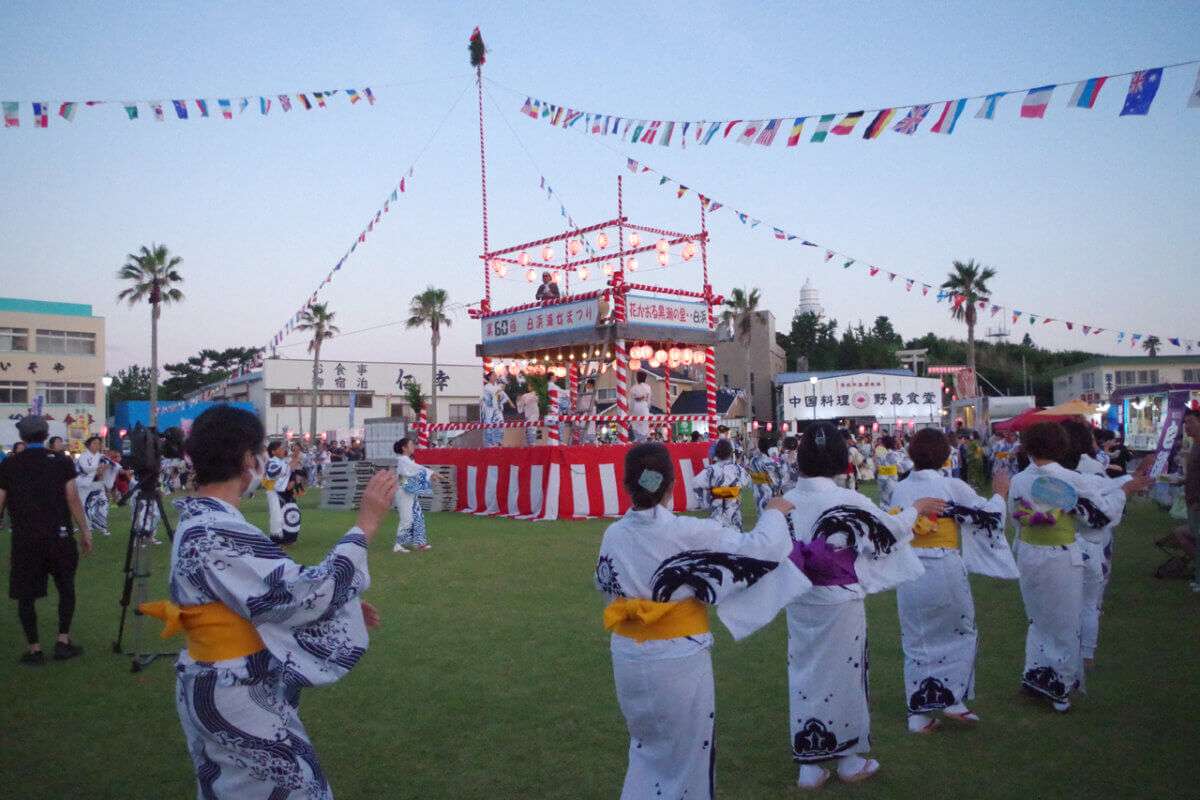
<point>726,492</point>
<point>1062,532</point>
<point>761,478</point>
<point>641,619</point>
<point>1001,454</point>
<point>940,532</point>
<point>214,631</point>
<point>888,470</point>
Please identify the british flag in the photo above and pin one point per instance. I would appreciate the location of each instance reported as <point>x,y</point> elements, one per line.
<point>912,120</point>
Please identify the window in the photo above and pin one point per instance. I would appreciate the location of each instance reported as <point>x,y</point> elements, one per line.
<point>67,343</point>
<point>606,395</point>
<point>725,379</point>
<point>464,412</point>
<point>1191,376</point>
<point>14,392</point>
<point>303,398</point>
<point>14,339</point>
<point>63,394</point>
<point>752,386</point>
<point>1087,380</point>
<point>1125,377</point>
<point>1145,377</point>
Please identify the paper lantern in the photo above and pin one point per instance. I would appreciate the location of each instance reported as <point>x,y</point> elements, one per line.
<point>769,426</point>
<point>574,246</point>
<point>502,269</point>
<point>531,276</point>
<point>874,427</point>
<point>547,253</point>
<point>662,245</point>
<point>686,356</point>
<point>631,264</point>
<point>862,429</point>
<point>602,240</point>
<point>785,427</point>
<point>664,259</point>
<point>699,356</point>
<point>608,269</point>
<point>660,355</point>
<point>754,425</point>
<point>688,252</point>
<point>634,239</point>
<point>674,354</point>
<point>523,259</point>
<point>635,363</point>
<point>653,364</point>
<point>583,273</point>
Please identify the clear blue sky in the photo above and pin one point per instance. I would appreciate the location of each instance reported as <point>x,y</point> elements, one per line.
<point>1084,213</point>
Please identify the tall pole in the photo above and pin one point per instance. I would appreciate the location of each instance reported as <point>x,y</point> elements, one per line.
<point>478,57</point>
<point>620,347</point>
<point>710,353</point>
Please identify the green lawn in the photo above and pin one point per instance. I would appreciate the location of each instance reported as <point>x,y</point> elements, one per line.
<point>490,678</point>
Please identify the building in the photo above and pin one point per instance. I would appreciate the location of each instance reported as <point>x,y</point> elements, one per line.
<point>54,351</point>
<point>682,380</point>
<point>349,392</point>
<point>1096,379</point>
<point>750,361</point>
<point>892,397</point>
<point>810,300</point>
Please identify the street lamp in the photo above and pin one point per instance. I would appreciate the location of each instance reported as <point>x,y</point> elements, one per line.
<point>812,379</point>
<point>106,381</point>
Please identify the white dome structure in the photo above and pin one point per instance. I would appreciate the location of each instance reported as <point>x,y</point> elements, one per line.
<point>810,300</point>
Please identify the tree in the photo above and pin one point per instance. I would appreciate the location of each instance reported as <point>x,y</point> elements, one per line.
<point>740,309</point>
<point>1151,344</point>
<point>414,395</point>
<point>429,308</point>
<point>131,383</point>
<point>318,319</point>
<point>153,276</point>
<point>968,284</point>
<point>813,339</point>
<point>206,367</point>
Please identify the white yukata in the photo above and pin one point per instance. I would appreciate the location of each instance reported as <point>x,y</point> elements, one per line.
<point>283,513</point>
<point>1050,561</point>
<point>718,487</point>
<point>241,716</point>
<point>414,482</point>
<point>937,611</point>
<point>527,406</point>
<point>93,491</point>
<point>889,464</point>
<point>767,476</point>
<point>639,406</point>
<point>1097,547</point>
<point>665,686</point>
<point>491,409</point>
<point>847,547</point>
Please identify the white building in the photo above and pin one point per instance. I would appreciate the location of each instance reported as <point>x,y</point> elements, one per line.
<point>810,300</point>
<point>891,397</point>
<point>1095,380</point>
<point>351,391</point>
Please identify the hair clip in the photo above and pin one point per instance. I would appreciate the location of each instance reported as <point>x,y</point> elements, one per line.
<point>819,437</point>
<point>650,480</point>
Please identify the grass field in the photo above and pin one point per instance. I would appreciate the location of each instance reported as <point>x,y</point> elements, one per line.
<point>490,678</point>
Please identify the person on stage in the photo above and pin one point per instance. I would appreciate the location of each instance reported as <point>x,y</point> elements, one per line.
<point>937,611</point>
<point>719,487</point>
<point>491,409</point>
<point>658,573</point>
<point>528,407</point>
<point>283,512</point>
<point>413,481</point>
<point>547,289</point>
<point>587,405</point>
<point>765,472</point>
<point>96,476</point>
<point>259,626</point>
<point>847,547</point>
<point>639,406</point>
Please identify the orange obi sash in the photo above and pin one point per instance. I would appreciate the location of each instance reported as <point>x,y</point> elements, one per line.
<point>761,478</point>
<point>642,620</point>
<point>726,492</point>
<point>214,631</point>
<point>940,532</point>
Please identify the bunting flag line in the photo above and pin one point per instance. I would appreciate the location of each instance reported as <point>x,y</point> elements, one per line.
<point>1036,100</point>
<point>829,253</point>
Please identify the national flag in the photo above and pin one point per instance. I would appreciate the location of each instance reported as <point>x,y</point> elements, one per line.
<point>651,132</point>
<point>925,287</point>
<point>157,108</point>
<point>264,105</point>
<point>1015,316</point>
<point>1194,97</point>
<point>131,109</point>
<point>681,191</point>
<point>807,243</point>
<point>891,276</point>
<point>715,206</point>
<point>667,132</point>
<point>304,101</point>
<point>526,109</point>
<point>847,124</point>
<point>226,108</point>
<point>572,117</point>
<point>12,114</point>
<point>1035,102</point>
<point>1070,325</point>
<point>556,115</point>
<point>1134,339</point>
<point>1142,88</point>
<point>754,223</point>
<point>320,98</point>
<point>828,255</point>
<point>285,102</point>
<point>1086,92</point>
<point>729,127</point>
<point>637,131</point>
<point>995,310</point>
<point>1047,320</point>
<point>908,284</point>
<point>402,181</point>
<point>616,124</point>
<point>202,107</point>
<point>663,179</point>
<point>711,132</point>
<point>1098,330</point>
<point>822,128</point>
<point>879,124</point>
<point>767,137</point>
<point>1173,340</point>
<point>41,115</point>
<point>848,263</point>
<point>631,165</point>
<point>912,120</point>
<point>683,133</point>
<point>741,217</point>
<point>243,104</point>
<point>67,111</point>
<point>949,118</point>
<point>1033,319</point>
<point>750,131</point>
<point>1120,336</point>
<point>1087,329</point>
<point>370,96</point>
<point>395,195</point>
<point>797,130</point>
<point>598,126</point>
<point>873,271</point>
<point>180,108</point>
<point>354,98</point>
<point>987,109</point>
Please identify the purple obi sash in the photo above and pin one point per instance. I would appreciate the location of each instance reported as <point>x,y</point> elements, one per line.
<point>824,565</point>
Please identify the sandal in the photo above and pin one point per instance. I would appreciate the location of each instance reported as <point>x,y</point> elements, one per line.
<point>868,769</point>
<point>817,784</point>
<point>969,717</point>
<point>929,727</point>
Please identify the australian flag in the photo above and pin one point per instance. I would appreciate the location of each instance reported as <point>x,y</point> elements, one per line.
<point>1142,88</point>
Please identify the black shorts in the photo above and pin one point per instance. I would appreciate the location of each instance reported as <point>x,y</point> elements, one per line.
<point>37,558</point>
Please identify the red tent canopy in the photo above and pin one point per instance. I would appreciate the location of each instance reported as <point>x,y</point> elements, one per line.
<point>1027,418</point>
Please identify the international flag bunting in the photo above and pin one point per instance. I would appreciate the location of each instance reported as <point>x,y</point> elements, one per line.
<point>767,137</point>
<point>1035,102</point>
<point>285,102</point>
<point>828,255</point>
<point>243,104</point>
<point>667,133</point>
<point>526,109</point>
<point>41,115</point>
<point>873,271</point>
<point>12,114</point>
<point>370,96</point>
<point>848,263</point>
<point>908,284</point>
<point>949,118</point>
<point>1086,330</point>
<point>1142,88</point>
<point>822,128</point>
<point>925,287</point>
<point>264,105</point>
<point>779,234</point>
<point>320,98</point>
<point>180,108</point>
<point>681,191</point>
<point>1194,97</point>
<point>67,111</point>
<point>202,106</point>
<point>710,133</point>
<point>912,120</point>
<point>1173,341</point>
<point>749,132</point>
<point>1086,92</point>
<point>157,108</point>
<point>987,109</point>
<point>798,126</point>
<point>226,108</point>
<point>304,101</point>
<point>879,124</point>
<point>354,98</point>
<point>729,127</point>
<point>1134,339</point>
<point>131,109</point>
<point>1120,336</point>
<point>1015,316</point>
<point>846,126</point>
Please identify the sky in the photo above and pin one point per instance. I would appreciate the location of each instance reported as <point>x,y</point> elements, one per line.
<point>1086,215</point>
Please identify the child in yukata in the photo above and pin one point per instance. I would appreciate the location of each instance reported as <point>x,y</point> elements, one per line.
<point>719,486</point>
<point>414,481</point>
<point>765,472</point>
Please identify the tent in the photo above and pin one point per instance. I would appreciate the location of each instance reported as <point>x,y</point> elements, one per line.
<point>1071,408</point>
<point>1031,416</point>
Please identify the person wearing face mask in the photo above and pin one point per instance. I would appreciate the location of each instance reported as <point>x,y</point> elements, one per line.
<point>259,626</point>
<point>282,508</point>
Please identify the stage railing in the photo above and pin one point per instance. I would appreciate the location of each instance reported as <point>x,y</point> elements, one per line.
<point>549,421</point>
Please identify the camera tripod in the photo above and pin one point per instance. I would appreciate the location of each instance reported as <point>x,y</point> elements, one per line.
<point>148,511</point>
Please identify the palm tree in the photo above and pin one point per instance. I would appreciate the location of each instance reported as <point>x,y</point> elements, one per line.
<point>740,309</point>
<point>969,282</point>
<point>1151,345</point>
<point>153,275</point>
<point>429,308</point>
<point>318,319</point>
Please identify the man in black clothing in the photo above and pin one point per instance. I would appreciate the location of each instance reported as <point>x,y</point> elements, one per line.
<point>547,289</point>
<point>38,487</point>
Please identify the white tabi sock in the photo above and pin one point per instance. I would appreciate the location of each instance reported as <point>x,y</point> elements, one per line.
<point>812,776</point>
<point>918,722</point>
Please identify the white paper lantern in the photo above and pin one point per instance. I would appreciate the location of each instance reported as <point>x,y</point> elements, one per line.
<point>635,363</point>
<point>688,252</point>
<point>602,240</point>
<point>574,246</point>
<point>664,259</point>
<point>523,259</point>
<point>660,355</point>
<point>631,264</point>
<point>634,239</point>
<point>547,253</point>
<point>662,245</point>
<point>583,273</point>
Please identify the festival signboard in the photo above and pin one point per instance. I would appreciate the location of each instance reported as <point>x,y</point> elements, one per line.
<point>665,312</point>
<point>884,397</point>
<point>539,321</point>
